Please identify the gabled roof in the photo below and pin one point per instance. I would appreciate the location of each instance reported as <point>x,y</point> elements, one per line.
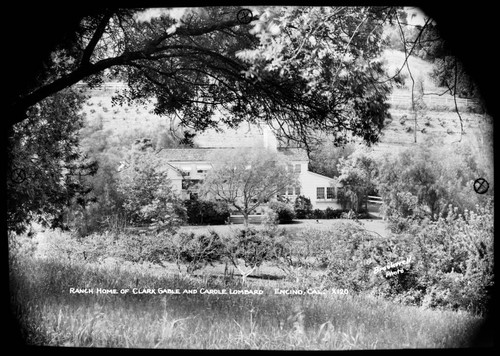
<point>322,176</point>
<point>175,169</point>
<point>335,181</point>
<point>168,167</point>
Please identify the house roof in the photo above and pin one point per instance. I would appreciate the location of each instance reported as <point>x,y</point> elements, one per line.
<point>335,180</point>
<point>175,169</point>
<point>204,154</point>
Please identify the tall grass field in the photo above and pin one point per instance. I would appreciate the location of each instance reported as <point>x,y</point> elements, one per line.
<point>51,313</point>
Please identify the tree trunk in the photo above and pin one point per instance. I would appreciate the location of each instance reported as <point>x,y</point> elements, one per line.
<point>245,219</point>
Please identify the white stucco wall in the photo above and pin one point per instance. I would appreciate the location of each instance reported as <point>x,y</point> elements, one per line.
<point>176,184</point>
<point>310,181</point>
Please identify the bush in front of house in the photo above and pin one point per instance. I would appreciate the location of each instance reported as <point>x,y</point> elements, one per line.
<point>303,207</point>
<point>204,212</point>
<point>284,211</point>
<point>333,213</point>
<point>318,214</point>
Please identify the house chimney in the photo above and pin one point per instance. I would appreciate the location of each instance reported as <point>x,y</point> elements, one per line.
<point>270,141</point>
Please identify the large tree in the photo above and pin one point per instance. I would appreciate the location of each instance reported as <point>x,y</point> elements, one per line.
<point>357,175</point>
<point>302,69</point>
<point>418,182</point>
<point>325,158</point>
<point>246,178</point>
<point>47,169</point>
<point>148,195</point>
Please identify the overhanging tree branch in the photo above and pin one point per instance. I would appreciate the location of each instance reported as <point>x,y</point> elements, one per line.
<point>89,50</point>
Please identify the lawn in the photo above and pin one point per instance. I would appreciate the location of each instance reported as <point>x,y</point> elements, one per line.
<point>376,226</point>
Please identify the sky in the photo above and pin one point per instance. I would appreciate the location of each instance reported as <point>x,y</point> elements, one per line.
<point>148,14</point>
<point>415,16</point>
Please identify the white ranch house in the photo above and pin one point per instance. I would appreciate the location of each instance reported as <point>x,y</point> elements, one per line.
<point>186,167</point>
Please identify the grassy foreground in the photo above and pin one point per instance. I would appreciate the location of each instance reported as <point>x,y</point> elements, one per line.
<point>50,315</point>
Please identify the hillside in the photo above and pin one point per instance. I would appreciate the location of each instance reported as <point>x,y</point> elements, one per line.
<point>438,125</point>
<point>394,60</point>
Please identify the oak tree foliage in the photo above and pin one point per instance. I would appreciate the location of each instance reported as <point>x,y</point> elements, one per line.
<point>47,171</point>
<point>301,69</point>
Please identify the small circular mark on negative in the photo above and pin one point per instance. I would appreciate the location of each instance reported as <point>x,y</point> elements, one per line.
<point>244,16</point>
<point>481,186</point>
<point>18,175</point>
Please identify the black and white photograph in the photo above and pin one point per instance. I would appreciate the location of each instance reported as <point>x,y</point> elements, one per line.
<point>263,177</point>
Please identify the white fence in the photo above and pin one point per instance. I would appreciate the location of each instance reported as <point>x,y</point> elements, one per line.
<point>252,219</point>
<point>109,87</point>
<point>432,100</point>
<point>374,199</point>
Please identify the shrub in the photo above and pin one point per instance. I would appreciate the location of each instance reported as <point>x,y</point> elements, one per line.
<point>196,251</point>
<point>284,211</point>
<point>333,213</point>
<point>340,254</point>
<point>269,217</point>
<point>318,214</point>
<point>203,212</point>
<point>448,262</point>
<point>303,207</point>
<point>475,109</point>
<point>456,258</point>
<point>452,261</point>
<point>253,247</point>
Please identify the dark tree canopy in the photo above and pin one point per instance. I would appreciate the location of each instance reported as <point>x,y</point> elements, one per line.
<point>47,168</point>
<point>301,69</point>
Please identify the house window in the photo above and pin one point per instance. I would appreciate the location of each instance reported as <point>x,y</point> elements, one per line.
<point>202,168</point>
<point>298,168</point>
<point>290,191</point>
<point>186,171</point>
<point>320,193</point>
<point>330,193</point>
<point>190,184</point>
<point>282,191</point>
<point>297,191</point>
